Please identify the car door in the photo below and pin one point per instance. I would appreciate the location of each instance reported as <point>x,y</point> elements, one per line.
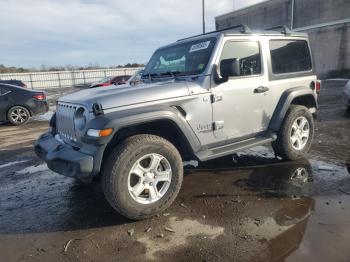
<point>241,105</point>
<point>4,102</point>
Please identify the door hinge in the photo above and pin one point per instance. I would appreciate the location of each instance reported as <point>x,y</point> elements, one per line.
<point>217,125</point>
<point>216,98</point>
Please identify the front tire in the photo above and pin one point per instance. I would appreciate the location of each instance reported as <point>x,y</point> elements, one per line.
<point>18,115</point>
<point>142,176</point>
<point>296,134</point>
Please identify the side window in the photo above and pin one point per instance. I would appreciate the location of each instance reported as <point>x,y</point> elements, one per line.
<point>247,52</point>
<point>290,56</point>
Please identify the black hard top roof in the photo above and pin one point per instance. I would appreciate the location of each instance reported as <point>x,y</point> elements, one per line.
<point>243,29</point>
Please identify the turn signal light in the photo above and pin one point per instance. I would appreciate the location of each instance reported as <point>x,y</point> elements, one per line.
<point>100,133</point>
<point>106,132</point>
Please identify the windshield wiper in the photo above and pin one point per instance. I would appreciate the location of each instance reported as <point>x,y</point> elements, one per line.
<point>173,74</point>
<point>149,76</point>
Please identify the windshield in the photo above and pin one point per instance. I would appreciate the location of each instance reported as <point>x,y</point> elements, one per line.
<point>189,58</point>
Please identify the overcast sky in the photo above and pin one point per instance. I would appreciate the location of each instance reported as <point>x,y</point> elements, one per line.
<point>105,32</point>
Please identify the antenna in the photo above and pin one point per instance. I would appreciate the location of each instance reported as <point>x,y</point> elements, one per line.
<point>203,15</point>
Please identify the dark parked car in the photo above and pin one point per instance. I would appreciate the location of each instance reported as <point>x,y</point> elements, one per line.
<point>13,82</point>
<point>111,80</point>
<point>18,104</point>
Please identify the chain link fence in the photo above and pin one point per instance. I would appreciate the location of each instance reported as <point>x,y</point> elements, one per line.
<point>58,79</point>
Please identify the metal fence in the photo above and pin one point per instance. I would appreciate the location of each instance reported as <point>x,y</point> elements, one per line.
<point>44,80</point>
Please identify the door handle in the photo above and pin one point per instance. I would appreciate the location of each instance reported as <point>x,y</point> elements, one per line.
<point>261,89</point>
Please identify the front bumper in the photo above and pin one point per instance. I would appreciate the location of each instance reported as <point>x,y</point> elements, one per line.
<point>68,161</point>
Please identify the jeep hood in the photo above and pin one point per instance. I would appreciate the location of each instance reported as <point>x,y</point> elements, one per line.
<point>118,96</point>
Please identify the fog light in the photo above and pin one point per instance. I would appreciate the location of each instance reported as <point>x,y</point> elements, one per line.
<point>99,133</point>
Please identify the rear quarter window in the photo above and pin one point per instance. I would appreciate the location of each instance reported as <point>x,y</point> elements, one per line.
<point>290,56</point>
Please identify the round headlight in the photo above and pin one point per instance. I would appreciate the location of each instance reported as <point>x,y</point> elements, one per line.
<point>80,119</point>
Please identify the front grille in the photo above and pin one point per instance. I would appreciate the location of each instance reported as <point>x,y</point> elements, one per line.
<point>65,121</point>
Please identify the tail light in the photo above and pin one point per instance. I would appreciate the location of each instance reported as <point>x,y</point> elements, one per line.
<point>318,86</point>
<point>40,96</point>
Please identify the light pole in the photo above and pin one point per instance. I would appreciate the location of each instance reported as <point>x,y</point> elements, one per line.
<point>203,15</point>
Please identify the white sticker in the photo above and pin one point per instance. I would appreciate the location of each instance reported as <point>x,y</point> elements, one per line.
<point>200,46</point>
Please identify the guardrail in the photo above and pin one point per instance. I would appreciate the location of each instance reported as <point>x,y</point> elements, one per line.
<point>57,79</point>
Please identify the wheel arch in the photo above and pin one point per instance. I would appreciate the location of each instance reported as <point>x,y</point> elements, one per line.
<point>162,127</point>
<point>167,123</point>
<point>295,96</point>
<point>307,100</point>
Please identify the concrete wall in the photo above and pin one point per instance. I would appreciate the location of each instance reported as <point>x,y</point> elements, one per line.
<point>330,44</point>
<point>311,12</point>
<point>263,15</point>
<point>331,49</point>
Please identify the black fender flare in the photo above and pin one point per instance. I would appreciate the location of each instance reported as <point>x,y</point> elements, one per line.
<point>133,117</point>
<point>284,103</point>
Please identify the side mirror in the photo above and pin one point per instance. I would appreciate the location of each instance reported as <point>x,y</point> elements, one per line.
<point>229,67</point>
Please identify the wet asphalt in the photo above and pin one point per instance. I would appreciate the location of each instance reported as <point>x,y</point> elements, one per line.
<point>246,207</point>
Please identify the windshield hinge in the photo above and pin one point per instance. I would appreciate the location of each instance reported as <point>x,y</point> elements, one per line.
<point>216,98</point>
<point>217,125</point>
<point>97,109</point>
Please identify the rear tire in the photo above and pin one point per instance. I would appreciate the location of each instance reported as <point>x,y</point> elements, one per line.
<point>142,176</point>
<point>18,115</point>
<point>296,134</point>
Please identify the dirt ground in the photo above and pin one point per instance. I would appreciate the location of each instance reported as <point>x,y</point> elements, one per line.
<point>251,207</point>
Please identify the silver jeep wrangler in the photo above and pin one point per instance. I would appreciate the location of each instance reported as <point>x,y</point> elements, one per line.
<point>201,98</point>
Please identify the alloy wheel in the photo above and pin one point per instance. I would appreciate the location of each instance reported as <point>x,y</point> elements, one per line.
<point>149,178</point>
<point>19,115</point>
<point>300,133</point>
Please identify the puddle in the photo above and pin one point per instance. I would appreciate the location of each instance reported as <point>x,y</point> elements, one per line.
<point>327,235</point>
<point>287,179</point>
<point>281,220</point>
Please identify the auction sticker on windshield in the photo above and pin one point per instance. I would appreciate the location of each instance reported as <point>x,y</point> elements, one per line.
<point>200,46</point>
